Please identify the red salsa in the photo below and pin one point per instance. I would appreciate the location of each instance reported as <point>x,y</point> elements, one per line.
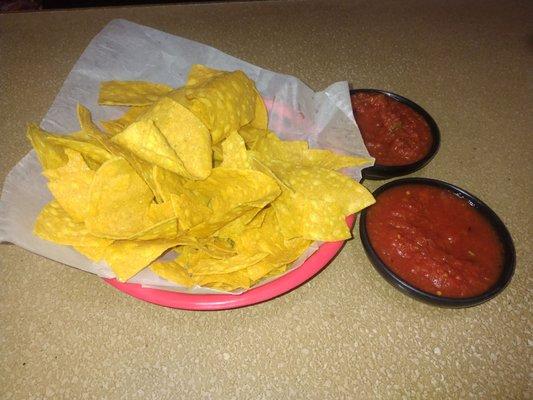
<point>393,132</point>
<point>435,240</point>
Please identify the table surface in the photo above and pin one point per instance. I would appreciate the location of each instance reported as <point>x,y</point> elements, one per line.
<point>346,333</point>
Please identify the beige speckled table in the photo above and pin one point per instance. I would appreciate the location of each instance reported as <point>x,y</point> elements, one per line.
<point>346,333</point>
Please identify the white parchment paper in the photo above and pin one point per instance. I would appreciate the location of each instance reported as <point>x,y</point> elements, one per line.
<point>127,51</point>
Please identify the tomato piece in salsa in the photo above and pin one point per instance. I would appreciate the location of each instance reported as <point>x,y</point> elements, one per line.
<point>393,132</point>
<point>435,240</point>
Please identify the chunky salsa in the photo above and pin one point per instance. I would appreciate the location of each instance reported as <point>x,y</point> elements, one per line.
<point>435,240</point>
<point>393,132</point>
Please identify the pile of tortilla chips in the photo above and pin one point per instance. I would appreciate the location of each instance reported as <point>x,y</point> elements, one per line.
<point>195,170</point>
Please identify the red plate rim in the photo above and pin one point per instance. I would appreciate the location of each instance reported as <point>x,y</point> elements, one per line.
<point>188,301</point>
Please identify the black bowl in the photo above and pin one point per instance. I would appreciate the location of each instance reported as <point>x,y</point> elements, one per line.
<point>509,257</point>
<point>385,171</point>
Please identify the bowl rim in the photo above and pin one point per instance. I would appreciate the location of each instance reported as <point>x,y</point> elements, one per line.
<point>509,259</point>
<point>377,171</point>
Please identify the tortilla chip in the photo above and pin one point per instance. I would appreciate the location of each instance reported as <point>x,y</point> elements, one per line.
<point>199,74</point>
<point>91,149</point>
<point>224,103</point>
<point>93,253</point>
<point>71,184</point>
<point>147,142</point>
<point>131,93</point>
<point>329,186</point>
<point>127,257</point>
<point>251,135</point>
<point>160,223</point>
<point>270,148</point>
<point>114,126</point>
<point>141,167</point>
<point>166,183</point>
<point>183,131</point>
<point>234,153</point>
<point>189,210</point>
<point>50,155</point>
<point>55,225</point>
<point>173,272</point>
<point>119,199</point>
<point>230,188</point>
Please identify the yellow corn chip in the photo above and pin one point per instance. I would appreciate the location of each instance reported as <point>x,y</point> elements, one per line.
<point>261,166</point>
<point>93,253</point>
<point>251,134</point>
<point>216,222</point>
<point>261,270</point>
<point>276,271</point>
<point>183,132</point>
<point>270,148</point>
<point>217,154</point>
<point>119,200</point>
<point>208,265</point>
<point>310,219</point>
<point>173,272</point>
<point>127,257</point>
<point>329,160</point>
<point>50,155</point>
<point>267,238</point>
<point>230,188</point>
<point>260,120</point>
<point>215,247</point>
<point>131,93</point>
<point>189,210</point>
<point>70,185</point>
<point>226,282</point>
<point>238,225</point>
<point>319,203</point>
<point>55,225</point>
<point>199,73</point>
<point>141,167</point>
<point>147,142</point>
<point>327,186</point>
<point>159,212</point>
<point>160,223</point>
<point>225,102</point>
<point>176,271</point>
<point>88,127</point>
<point>90,149</point>
<point>232,193</point>
<point>167,229</point>
<point>75,163</point>
<point>115,126</point>
<point>259,218</point>
<point>234,153</point>
<point>167,183</point>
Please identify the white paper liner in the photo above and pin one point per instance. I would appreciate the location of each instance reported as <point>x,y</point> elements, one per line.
<point>127,51</point>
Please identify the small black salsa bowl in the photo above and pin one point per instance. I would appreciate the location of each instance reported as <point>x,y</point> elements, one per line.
<point>509,256</point>
<point>377,171</point>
